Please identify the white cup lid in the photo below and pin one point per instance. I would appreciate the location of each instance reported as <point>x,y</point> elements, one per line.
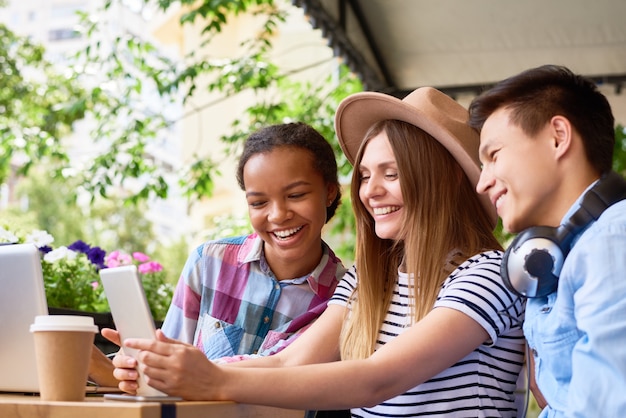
<point>63,323</point>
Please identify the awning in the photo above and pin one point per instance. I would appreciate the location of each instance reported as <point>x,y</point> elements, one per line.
<point>465,45</point>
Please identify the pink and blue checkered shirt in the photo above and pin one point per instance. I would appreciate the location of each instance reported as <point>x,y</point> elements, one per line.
<point>229,304</point>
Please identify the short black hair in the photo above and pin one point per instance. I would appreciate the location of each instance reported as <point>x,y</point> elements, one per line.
<point>536,95</point>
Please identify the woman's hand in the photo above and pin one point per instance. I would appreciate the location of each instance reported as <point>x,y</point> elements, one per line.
<point>541,401</point>
<point>170,366</point>
<point>125,371</point>
<point>101,369</point>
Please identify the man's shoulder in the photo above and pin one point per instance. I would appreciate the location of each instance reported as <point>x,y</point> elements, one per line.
<point>611,221</point>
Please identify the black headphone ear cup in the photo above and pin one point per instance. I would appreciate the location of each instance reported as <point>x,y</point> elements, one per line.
<point>532,262</point>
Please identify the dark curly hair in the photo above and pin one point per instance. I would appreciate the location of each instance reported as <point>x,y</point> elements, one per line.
<point>298,135</point>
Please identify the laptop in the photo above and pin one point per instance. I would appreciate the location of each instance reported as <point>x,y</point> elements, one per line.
<point>22,297</point>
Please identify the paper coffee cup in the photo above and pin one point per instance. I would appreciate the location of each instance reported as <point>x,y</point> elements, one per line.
<point>63,345</point>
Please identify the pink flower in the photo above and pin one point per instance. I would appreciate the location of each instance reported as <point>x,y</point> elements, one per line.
<point>141,257</point>
<point>117,258</point>
<point>94,285</point>
<point>112,262</point>
<point>113,255</point>
<point>149,267</point>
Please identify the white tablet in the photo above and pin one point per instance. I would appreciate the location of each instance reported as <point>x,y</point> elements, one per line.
<point>130,311</point>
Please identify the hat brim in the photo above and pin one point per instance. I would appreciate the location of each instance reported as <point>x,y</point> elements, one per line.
<point>426,108</point>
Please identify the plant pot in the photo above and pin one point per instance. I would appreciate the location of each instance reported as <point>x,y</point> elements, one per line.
<point>101,319</point>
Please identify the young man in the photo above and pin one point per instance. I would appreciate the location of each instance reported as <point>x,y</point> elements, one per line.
<point>547,138</point>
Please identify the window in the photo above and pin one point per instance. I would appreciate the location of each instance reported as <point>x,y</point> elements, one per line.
<point>63,34</point>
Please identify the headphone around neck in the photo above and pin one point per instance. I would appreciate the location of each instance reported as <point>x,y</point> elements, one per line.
<point>532,263</point>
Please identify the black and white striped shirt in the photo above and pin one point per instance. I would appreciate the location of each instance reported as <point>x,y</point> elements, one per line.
<point>483,383</point>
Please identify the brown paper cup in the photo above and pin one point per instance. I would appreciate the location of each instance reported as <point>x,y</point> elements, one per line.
<point>63,345</point>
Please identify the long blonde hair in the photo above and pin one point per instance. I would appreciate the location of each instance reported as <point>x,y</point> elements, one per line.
<point>442,216</point>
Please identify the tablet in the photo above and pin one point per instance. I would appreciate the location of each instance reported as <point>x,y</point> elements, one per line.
<point>138,398</point>
<point>130,311</point>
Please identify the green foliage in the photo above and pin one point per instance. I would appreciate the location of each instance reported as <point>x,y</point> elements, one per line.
<point>55,212</point>
<point>227,226</point>
<point>125,227</point>
<point>342,233</point>
<point>136,67</point>
<point>159,294</point>
<point>197,180</point>
<point>217,12</point>
<point>619,153</point>
<point>172,256</point>
<point>127,127</point>
<point>38,105</point>
<point>73,284</point>
<point>110,223</point>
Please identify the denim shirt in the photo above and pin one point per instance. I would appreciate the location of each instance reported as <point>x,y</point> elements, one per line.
<point>577,335</point>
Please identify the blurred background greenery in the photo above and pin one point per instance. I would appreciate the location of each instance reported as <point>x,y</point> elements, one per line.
<point>37,113</point>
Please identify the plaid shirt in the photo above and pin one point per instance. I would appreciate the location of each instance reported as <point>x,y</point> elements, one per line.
<point>228,302</point>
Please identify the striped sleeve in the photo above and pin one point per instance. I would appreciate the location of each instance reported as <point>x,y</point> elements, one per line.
<point>476,289</point>
<point>344,289</point>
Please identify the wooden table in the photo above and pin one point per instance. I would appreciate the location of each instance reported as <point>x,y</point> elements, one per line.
<point>24,406</point>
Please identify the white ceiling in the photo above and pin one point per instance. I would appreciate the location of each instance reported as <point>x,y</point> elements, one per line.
<point>464,45</point>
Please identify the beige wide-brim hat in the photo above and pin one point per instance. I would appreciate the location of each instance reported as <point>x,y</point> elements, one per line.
<point>427,108</point>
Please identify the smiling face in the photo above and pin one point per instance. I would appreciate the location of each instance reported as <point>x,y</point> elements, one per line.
<point>287,200</point>
<point>379,188</point>
<point>519,173</point>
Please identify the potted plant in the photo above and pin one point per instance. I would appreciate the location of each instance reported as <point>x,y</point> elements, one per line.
<point>72,281</point>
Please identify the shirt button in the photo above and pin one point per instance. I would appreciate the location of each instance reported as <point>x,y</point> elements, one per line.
<point>218,325</point>
<point>277,287</point>
<point>266,319</point>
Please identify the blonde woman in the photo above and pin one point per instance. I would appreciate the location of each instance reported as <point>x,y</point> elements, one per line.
<point>422,325</point>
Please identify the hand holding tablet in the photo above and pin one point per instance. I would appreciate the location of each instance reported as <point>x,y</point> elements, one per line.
<point>132,317</point>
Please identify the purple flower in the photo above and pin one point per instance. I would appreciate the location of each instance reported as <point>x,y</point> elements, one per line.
<point>80,247</point>
<point>96,256</point>
<point>45,249</point>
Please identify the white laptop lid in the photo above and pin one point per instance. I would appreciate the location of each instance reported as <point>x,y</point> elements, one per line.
<point>22,297</point>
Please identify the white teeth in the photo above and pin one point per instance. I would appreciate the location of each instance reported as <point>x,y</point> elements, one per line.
<point>286,233</point>
<point>499,200</point>
<point>385,210</point>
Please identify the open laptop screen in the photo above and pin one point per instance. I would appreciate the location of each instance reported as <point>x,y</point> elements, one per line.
<point>22,297</point>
